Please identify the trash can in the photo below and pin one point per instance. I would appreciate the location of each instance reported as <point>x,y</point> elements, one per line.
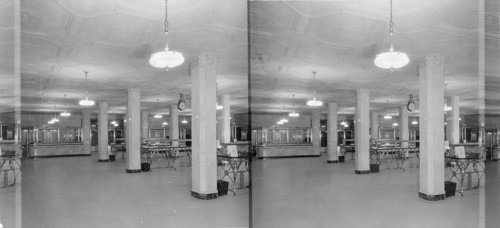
<point>145,167</point>
<point>112,158</point>
<point>374,168</point>
<point>341,158</point>
<point>222,187</point>
<point>450,188</point>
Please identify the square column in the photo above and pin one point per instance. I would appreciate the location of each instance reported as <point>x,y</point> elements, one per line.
<point>362,132</point>
<point>453,121</point>
<point>404,129</point>
<point>133,135</point>
<point>144,125</point>
<point>226,122</point>
<point>431,128</point>
<point>102,143</point>
<point>331,144</point>
<point>174,124</point>
<point>204,151</point>
<point>374,126</point>
<point>86,130</point>
<point>315,131</point>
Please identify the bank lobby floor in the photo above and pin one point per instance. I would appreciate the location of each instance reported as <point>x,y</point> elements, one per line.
<point>309,192</point>
<point>80,192</point>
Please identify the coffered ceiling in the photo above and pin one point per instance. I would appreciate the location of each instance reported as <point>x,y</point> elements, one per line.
<point>340,39</point>
<point>113,40</point>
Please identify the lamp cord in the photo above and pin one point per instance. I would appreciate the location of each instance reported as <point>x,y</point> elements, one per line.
<point>391,30</point>
<point>166,18</point>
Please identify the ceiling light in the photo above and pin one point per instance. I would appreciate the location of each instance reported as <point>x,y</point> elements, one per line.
<point>391,59</point>
<point>50,122</point>
<point>387,116</point>
<point>166,59</point>
<point>219,107</point>
<point>158,115</point>
<point>395,124</point>
<point>414,122</point>
<point>314,102</point>
<point>446,107</point>
<point>293,113</point>
<point>165,123</point>
<point>114,122</point>
<point>65,114</point>
<point>279,122</point>
<point>86,102</point>
<point>184,121</point>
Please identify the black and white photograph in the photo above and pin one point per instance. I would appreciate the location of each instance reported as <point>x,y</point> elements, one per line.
<point>249,113</point>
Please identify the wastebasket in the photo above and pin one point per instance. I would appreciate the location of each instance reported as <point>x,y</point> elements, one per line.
<point>112,158</point>
<point>374,168</point>
<point>222,187</point>
<point>341,158</point>
<point>145,167</point>
<point>450,188</point>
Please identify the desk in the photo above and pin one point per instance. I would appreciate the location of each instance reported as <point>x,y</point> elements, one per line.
<point>235,166</point>
<point>398,153</point>
<point>149,152</point>
<point>459,166</point>
<point>12,169</point>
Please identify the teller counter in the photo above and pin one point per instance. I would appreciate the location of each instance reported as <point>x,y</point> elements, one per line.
<point>56,150</point>
<point>286,150</point>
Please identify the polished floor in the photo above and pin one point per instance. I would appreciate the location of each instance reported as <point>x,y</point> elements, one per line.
<point>80,192</point>
<point>309,192</point>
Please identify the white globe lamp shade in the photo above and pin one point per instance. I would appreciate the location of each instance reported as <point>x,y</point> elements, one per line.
<point>158,116</point>
<point>414,122</point>
<point>65,114</point>
<point>387,117</point>
<point>314,103</point>
<point>391,60</point>
<point>86,102</point>
<point>166,59</point>
<point>293,114</point>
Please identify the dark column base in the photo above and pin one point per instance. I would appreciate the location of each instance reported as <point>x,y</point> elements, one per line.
<point>133,170</point>
<point>431,197</point>
<point>103,160</point>
<point>204,196</point>
<point>332,161</point>
<point>362,171</point>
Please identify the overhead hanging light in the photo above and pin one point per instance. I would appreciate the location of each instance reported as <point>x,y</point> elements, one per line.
<point>284,119</point>
<point>65,114</point>
<point>86,102</point>
<point>184,121</point>
<point>314,102</point>
<point>293,113</point>
<point>55,120</point>
<point>446,107</point>
<point>345,124</point>
<point>414,122</point>
<point>387,116</point>
<point>158,115</point>
<point>166,59</point>
<point>391,59</point>
<point>395,124</point>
